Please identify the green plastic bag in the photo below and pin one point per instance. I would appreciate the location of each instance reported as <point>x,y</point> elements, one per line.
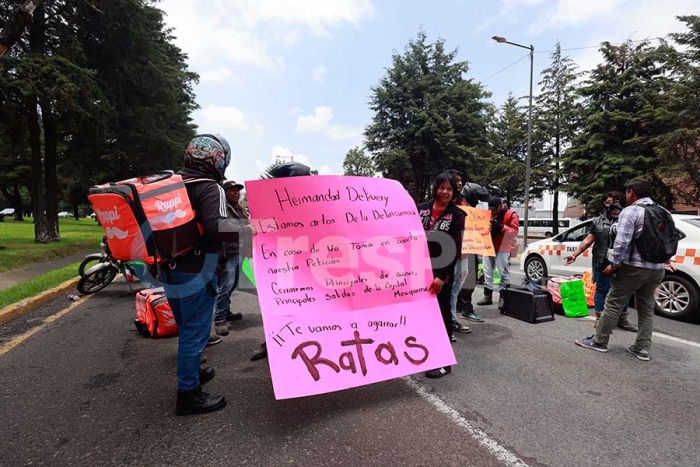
<point>247,268</point>
<point>573,299</point>
<point>496,274</point>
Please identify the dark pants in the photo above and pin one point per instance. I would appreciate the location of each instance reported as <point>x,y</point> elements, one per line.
<point>444,303</point>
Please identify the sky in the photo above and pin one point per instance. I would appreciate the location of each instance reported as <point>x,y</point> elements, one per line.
<point>283,79</point>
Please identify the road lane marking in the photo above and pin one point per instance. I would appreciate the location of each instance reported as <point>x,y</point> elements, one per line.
<point>14,342</point>
<point>491,445</point>
<point>661,335</point>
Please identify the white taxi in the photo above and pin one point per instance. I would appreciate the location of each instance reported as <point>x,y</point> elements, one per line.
<point>677,296</point>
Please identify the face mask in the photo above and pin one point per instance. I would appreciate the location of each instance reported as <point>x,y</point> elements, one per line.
<point>613,210</point>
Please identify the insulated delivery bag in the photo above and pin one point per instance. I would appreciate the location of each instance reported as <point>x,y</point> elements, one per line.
<point>147,218</point>
<point>154,317</point>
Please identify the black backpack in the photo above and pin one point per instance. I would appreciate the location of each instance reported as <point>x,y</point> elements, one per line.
<point>659,238</point>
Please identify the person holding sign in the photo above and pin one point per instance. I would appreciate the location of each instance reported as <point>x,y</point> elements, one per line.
<point>504,228</point>
<point>443,222</point>
<point>287,169</point>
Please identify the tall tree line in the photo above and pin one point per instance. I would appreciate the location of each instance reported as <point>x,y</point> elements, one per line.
<point>636,114</point>
<point>91,91</point>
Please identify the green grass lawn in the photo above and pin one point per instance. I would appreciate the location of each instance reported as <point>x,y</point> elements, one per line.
<point>20,249</point>
<point>37,285</point>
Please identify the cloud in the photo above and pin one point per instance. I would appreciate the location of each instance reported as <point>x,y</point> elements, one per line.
<point>245,32</point>
<point>647,19</point>
<point>219,75</point>
<point>576,12</point>
<point>318,74</point>
<point>223,120</point>
<point>316,15</point>
<point>319,122</point>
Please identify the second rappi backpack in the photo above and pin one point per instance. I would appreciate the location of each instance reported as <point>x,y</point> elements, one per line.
<point>147,218</point>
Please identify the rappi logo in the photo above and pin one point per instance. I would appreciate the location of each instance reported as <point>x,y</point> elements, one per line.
<point>169,206</point>
<point>109,217</point>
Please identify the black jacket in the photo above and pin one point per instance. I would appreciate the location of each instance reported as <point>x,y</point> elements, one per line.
<point>210,206</point>
<point>448,227</point>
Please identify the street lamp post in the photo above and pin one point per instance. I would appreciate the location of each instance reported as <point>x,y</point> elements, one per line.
<point>531,48</point>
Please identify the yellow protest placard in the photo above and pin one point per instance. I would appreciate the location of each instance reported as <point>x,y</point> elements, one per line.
<point>477,232</point>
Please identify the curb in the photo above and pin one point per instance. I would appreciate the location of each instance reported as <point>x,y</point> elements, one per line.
<point>16,310</point>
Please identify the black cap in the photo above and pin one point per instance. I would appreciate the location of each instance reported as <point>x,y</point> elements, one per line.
<point>231,184</point>
<point>495,202</point>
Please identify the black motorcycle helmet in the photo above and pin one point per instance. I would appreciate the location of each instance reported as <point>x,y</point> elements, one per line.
<point>474,193</point>
<point>289,169</point>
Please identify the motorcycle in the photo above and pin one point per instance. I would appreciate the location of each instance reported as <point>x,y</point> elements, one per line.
<point>98,270</point>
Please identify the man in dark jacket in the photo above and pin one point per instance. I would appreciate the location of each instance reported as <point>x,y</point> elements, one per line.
<point>190,280</point>
<point>229,260</point>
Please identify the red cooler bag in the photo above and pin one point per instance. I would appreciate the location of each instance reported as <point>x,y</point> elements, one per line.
<point>154,318</point>
<point>147,218</point>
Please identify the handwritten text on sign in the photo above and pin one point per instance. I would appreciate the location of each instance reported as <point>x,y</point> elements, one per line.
<point>342,270</point>
<point>477,232</point>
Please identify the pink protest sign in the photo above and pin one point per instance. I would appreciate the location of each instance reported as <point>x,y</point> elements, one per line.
<point>332,256</point>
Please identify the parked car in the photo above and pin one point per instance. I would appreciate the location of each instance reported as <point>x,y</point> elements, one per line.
<point>64,214</point>
<point>678,294</point>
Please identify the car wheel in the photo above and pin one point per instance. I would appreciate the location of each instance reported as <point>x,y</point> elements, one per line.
<point>535,268</point>
<point>676,297</point>
<point>548,234</point>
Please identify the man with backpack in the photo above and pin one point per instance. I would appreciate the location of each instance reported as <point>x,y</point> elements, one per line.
<point>601,237</point>
<point>190,279</point>
<point>646,239</point>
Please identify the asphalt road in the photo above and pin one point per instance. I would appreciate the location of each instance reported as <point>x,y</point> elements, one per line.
<point>87,390</point>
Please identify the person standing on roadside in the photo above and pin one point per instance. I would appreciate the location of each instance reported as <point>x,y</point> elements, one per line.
<point>504,228</point>
<point>461,265</point>
<point>229,261</point>
<point>190,280</point>
<point>635,269</point>
<point>600,237</point>
<point>443,222</point>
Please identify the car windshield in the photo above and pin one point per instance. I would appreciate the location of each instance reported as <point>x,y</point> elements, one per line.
<point>694,222</point>
<point>576,234</point>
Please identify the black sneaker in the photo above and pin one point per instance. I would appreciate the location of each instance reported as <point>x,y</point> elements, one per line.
<point>206,374</point>
<point>195,402</point>
<point>485,301</point>
<point>459,327</point>
<point>643,355</point>
<point>234,316</point>
<point>589,343</point>
<point>260,352</point>
<point>438,372</point>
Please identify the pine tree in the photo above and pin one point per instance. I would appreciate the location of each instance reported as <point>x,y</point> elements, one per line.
<point>359,164</point>
<point>427,117</point>
<point>608,152</point>
<point>558,111</point>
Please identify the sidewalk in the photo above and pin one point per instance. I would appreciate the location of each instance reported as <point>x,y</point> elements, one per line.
<point>11,278</point>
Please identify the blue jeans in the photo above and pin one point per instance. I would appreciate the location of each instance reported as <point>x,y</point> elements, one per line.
<point>500,261</point>
<point>602,287</point>
<point>459,277</point>
<point>227,284</point>
<point>191,296</point>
